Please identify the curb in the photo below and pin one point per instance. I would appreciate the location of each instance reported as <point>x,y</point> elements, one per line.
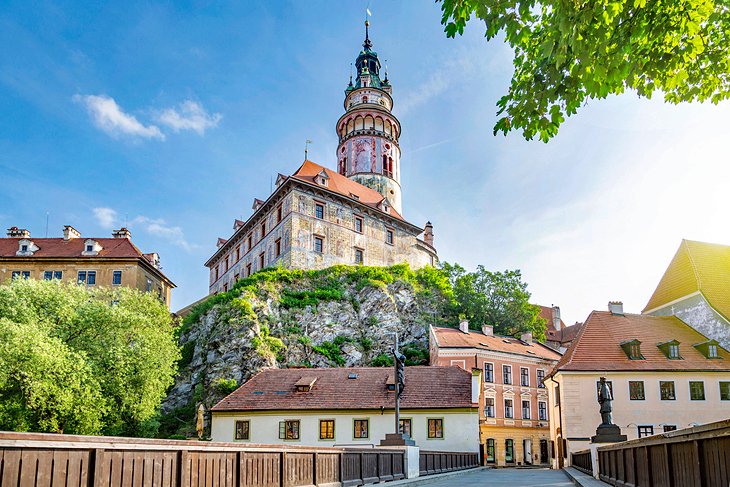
<point>434,478</point>
<point>580,479</point>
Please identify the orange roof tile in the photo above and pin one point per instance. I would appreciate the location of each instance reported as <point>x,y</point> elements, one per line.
<point>455,338</point>
<point>345,186</point>
<point>426,387</point>
<point>697,266</point>
<point>598,348</point>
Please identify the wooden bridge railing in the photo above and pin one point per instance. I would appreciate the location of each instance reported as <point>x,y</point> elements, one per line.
<point>433,462</point>
<point>692,457</point>
<point>582,461</point>
<point>33,459</point>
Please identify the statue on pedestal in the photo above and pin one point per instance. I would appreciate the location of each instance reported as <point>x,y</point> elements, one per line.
<point>607,432</point>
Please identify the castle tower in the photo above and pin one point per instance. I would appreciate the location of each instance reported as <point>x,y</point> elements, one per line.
<point>368,152</point>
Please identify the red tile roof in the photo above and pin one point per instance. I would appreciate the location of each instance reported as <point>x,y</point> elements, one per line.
<point>426,387</point>
<point>112,248</point>
<point>455,338</point>
<point>598,348</point>
<point>342,185</point>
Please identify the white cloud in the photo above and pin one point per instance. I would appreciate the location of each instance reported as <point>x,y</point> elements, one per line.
<point>189,115</point>
<point>159,228</point>
<point>109,117</point>
<point>105,217</point>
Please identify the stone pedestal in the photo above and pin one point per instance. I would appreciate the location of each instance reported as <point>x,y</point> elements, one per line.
<point>397,439</point>
<point>608,433</point>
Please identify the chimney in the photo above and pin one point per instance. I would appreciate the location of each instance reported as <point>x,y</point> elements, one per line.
<point>556,317</point>
<point>488,330</point>
<point>70,232</point>
<point>526,337</point>
<point>428,234</point>
<point>464,326</point>
<point>616,308</point>
<point>122,233</point>
<point>15,232</point>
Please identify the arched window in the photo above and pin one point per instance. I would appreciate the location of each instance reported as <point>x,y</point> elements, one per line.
<point>379,124</point>
<point>385,162</point>
<point>387,127</point>
<point>369,122</point>
<point>491,453</point>
<point>350,126</point>
<point>364,99</point>
<point>359,123</point>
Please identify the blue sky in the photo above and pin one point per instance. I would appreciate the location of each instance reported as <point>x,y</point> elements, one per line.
<point>173,117</point>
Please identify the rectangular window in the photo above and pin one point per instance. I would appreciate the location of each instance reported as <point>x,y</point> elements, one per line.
<point>261,260</point>
<point>50,275</point>
<point>491,456</point>
<point>508,412</point>
<point>509,451</point>
<point>674,351</point>
<point>526,410</point>
<point>557,395</point>
<point>149,285</point>
<point>358,256</point>
<point>636,390</point>
<point>542,411</point>
<point>81,277</point>
<point>405,426</point>
<point>697,390</point>
<point>278,247</point>
<point>724,391</point>
<point>250,241</point>
<point>711,351</point>
<point>507,374</point>
<point>318,244</point>
<point>435,428</point>
<point>24,248</point>
<point>489,407</point>
<point>666,389</point>
<point>242,430</point>
<point>319,211</point>
<point>524,377</point>
<point>358,224</point>
<point>117,278</point>
<point>389,237</point>
<point>238,253</point>
<point>278,214</point>
<point>289,430</point>
<point>361,428</point>
<point>326,429</point>
<point>540,378</point>
<point>645,431</point>
<point>488,372</point>
<point>89,248</point>
<point>25,274</point>
<point>669,427</point>
<point>248,270</point>
<point>263,230</point>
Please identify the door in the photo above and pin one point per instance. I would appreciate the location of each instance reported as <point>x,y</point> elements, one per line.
<point>527,449</point>
<point>543,451</point>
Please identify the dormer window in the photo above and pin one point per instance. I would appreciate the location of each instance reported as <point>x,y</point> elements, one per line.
<point>670,349</point>
<point>25,248</point>
<point>322,178</point>
<point>91,248</point>
<point>305,384</point>
<point>709,349</point>
<point>632,349</point>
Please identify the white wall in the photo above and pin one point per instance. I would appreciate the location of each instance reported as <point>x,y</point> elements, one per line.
<point>461,429</point>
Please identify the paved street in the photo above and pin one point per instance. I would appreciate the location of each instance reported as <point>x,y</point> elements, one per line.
<point>507,477</point>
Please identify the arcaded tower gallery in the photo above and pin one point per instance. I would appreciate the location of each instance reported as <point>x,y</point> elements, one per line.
<point>318,217</point>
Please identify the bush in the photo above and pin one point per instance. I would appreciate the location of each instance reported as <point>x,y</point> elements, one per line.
<point>333,350</point>
<point>225,386</point>
<point>383,360</point>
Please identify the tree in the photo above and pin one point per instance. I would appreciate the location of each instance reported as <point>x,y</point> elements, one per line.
<point>500,299</point>
<point>566,53</point>
<point>83,360</point>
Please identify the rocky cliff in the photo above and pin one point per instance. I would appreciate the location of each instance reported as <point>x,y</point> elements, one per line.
<point>341,316</point>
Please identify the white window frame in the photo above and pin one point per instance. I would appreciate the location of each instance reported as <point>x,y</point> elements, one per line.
<point>547,416</point>
<point>528,376</point>
<point>529,408</point>
<point>511,378</point>
<point>494,407</point>
<point>540,383</point>
<point>511,407</point>
<point>484,368</point>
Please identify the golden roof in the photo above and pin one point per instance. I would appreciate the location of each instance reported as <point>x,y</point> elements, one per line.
<point>696,267</point>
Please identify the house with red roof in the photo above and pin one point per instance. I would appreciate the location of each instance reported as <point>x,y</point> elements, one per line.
<point>662,373</point>
<point>513,414</point>
<point>352,407</point>
<point>557,335</point>
<point>91,261</point>
<point>318,217</point>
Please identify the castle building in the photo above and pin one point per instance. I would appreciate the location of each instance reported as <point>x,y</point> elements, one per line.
<point>109,262</point>
<point>318,217</point>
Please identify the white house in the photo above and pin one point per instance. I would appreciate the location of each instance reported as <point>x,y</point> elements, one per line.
<point>352,407</point>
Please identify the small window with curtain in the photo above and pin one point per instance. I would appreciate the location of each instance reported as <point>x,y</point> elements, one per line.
<point>435,428</point>
<point>489,407</point>
<point>696,390</point>
<point>243,429</point>
<point>542,411</point>
<point>488,372</point>
<point>636,390</point>
<point>327,429</point>
<point>541,378</point>
<point>289,430</point>
<point>508,408</point>
<point>361,428</point>
<point>666,389</point>
<point>405,426</point>
<point>524,376</point>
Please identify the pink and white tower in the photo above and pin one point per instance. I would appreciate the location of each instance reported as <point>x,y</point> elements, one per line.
<point>368,152</point>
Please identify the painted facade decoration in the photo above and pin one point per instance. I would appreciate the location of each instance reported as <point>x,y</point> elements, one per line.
<point>318,217</point>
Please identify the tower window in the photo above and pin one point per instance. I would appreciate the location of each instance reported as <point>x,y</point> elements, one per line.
<point>319,211</point>
<point>358,256</point>
<point>389,237</point>
<point>318,244</point>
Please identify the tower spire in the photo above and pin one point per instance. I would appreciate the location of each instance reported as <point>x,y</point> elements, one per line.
<point>367,44</point>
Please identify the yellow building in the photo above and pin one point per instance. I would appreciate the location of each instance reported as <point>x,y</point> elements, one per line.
<point>663,375</point>
<point>105,262</point>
